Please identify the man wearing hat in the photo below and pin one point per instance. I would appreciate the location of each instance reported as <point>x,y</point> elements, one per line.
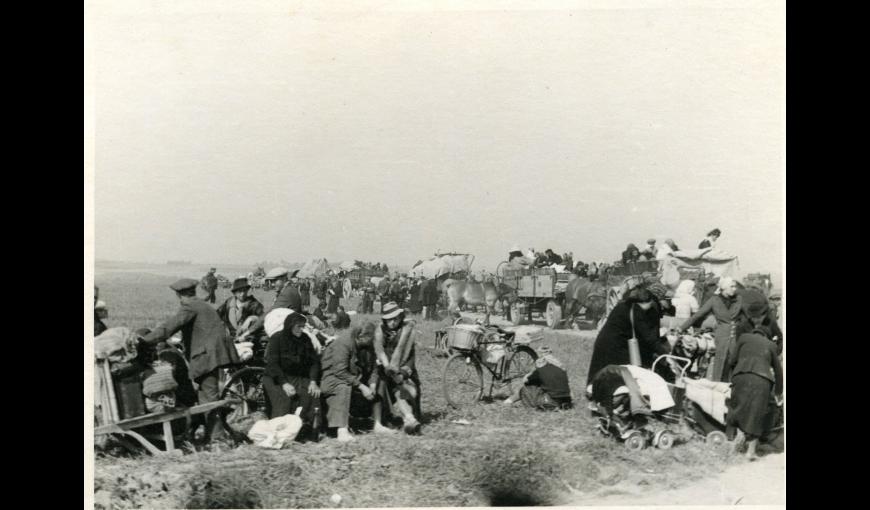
<point>239,311</point>
<point>210,285</point>
<point>206,344</point>
<point>286,294</point>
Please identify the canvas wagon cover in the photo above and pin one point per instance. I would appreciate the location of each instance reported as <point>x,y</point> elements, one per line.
<point>314,267</point>
<point>716,262</point>
<point>442,265</point>
<point>348,265</point>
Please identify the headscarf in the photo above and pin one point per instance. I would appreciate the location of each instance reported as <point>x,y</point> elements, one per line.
<point>724,283</point>
<point>685,288</point>
<point>547,357</point>
<point>658,290</point>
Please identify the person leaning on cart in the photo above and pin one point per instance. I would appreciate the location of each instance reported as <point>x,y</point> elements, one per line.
<point>206,345</point>
<point>292,369</point>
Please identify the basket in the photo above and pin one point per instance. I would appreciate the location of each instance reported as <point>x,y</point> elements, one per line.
<point>463,338</point>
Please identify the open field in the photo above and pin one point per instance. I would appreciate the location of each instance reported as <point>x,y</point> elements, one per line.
<point>506,456</point>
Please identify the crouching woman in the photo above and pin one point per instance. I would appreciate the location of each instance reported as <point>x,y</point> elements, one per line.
<point>292,370</point>
<point>546,387</point>
<point>341,376</point>
<point>399,383</point>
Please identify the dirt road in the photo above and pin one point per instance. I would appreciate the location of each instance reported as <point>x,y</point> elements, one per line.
<point>751,483</point>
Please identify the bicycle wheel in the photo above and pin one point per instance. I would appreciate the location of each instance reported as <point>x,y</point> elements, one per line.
<point>520,363</point>
<point>462,380</point>
<point>246,385</point>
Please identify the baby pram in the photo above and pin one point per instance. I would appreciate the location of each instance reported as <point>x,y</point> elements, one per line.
<point>639,407</point>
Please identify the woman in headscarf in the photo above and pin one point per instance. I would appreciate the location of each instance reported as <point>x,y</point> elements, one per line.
<point>292,369</point>
<point>725,305</point>
<point>756,370</point>
<point>636,316</point>
<point>631,254</point>
<point>399,384</point>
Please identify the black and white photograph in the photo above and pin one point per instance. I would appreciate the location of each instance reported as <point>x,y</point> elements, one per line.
<point>426,254</point>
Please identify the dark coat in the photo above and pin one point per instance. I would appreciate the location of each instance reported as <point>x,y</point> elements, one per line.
<point>209,282</point>
<point>251,307</point>
<point>99,325</point>
<point>291,356</point>
<point>289,297</point>
<point>415,304</point>
<point>342,320</point>
<point>318,312</point>
<point>755,354</point>
<point>339,365</point>
<point>430,293</point>
<point>205,340</point>
<point>611,345</point>
<point>704,244</point>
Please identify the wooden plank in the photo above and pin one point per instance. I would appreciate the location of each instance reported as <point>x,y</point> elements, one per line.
<point>110,387</point>
<point>168,438</point>
<point>154,418</point>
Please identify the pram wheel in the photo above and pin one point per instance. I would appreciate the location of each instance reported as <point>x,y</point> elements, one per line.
<point>664,439</point>
<point>716,439</point>
<point>635,441</point>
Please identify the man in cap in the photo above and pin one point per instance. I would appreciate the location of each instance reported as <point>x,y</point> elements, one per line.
<point>241,310</point>
<point>206,344</point>
<point>210,284</point>
<point>650,251</point>
<point>286,294</point>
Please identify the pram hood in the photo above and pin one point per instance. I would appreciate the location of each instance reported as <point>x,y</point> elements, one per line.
<point>647,390</point>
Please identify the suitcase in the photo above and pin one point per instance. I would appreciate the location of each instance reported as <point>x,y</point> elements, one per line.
<point>131,403</point>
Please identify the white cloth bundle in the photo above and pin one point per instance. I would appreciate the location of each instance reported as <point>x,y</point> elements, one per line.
<point>277,432</point>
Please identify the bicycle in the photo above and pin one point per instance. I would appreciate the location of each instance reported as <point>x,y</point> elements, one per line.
<point>462,376</point>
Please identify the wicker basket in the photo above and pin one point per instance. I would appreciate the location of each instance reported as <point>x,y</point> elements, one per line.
<point>463,338</point>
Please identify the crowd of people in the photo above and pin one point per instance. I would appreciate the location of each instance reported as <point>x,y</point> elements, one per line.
<point>375,363</point>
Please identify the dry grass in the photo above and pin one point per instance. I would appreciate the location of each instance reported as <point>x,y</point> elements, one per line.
<point>506,456</point>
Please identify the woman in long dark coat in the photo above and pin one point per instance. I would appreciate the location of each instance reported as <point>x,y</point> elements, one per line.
<point>611,345</point>
<point>755,370</point>
<point>335,291</point>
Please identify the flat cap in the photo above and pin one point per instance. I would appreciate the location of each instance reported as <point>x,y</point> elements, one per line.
<point>183,284</point>
<point>276,273</point>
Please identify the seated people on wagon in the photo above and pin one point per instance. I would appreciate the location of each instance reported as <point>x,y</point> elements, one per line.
<point>546,387</point>
<point>341,376</point>
<point>631,254</point>
<point>399,382</point>
<point>207,346</point>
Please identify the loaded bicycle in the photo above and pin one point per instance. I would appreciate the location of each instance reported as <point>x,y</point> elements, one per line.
<point>473,348</point>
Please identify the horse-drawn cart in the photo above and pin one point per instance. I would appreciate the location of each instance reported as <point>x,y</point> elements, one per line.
<point>539,290</point>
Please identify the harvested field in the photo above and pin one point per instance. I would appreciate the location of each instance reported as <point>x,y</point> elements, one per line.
<point>506,456</point>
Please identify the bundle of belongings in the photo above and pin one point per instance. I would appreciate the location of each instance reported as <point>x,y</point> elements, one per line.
<point>144,379</point>
<point>277,432</point>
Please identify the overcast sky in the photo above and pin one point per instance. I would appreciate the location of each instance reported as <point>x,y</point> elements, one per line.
<point>241,131</point>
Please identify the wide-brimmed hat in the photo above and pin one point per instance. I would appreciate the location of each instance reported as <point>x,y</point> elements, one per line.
<point>392,310</point>
<point>240,283</point>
